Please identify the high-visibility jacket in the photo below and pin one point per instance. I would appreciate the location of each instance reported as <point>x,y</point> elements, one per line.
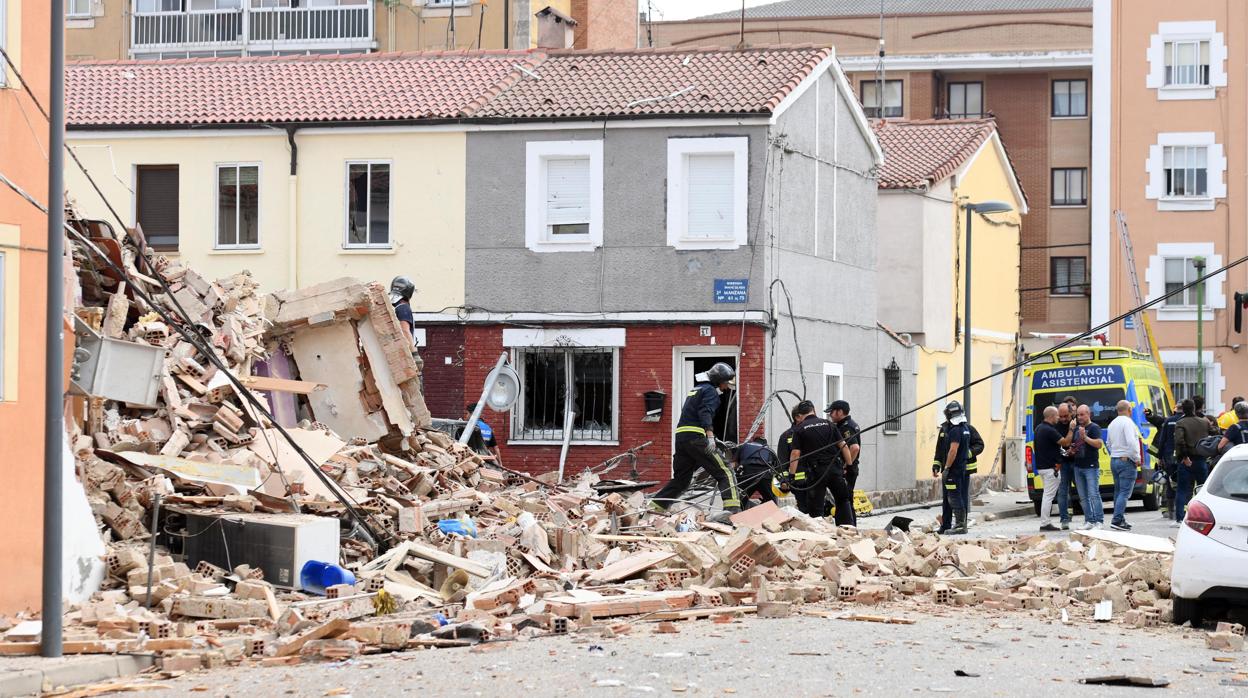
<point>942,448</point>
<point>699,410</point>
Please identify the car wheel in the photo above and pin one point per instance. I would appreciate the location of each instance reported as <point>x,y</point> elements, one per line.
<point>1152,501</point>
<point>1187,610</point>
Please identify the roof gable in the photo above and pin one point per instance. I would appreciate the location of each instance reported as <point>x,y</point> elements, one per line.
<point>921,153</point>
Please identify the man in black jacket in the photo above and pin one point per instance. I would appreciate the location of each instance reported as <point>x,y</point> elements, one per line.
<point>819,446</point>
<point>757,466</point>
<point>938,464</point>
<point>1192,467</point>
<point>695,443</point>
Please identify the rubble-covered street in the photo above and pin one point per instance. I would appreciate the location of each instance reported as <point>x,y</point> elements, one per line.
<point>812,655</point>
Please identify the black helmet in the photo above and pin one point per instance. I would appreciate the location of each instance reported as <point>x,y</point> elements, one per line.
<point>953,409</point>
<point>720,373</point>
<point>401,289</point>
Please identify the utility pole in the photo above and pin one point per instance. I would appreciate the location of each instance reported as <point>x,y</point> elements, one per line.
<point>1199,263</point>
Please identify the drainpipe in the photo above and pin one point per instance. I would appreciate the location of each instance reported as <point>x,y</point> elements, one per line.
<point>506,23</point>
<point>292,213</point>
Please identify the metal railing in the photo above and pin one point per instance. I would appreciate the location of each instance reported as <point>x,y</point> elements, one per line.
<point>258,28</point>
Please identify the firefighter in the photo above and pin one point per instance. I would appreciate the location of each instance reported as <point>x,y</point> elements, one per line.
<point>695,441</point>
<point>818,444</point>
<point>838,414</point>
<point>783,449</point>
<point>952,468</point>
<point>757,465</point>
<point>938,465</point>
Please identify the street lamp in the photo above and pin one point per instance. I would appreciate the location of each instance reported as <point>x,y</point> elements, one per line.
<point>983,208</point>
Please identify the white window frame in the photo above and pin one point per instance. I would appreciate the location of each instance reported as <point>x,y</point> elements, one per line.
<point>216,206</point>
<point>1215,162</point>
<point>346,207</point>
<point>1155,276</point>
<point>516,340</point>
<point>536,236</point>
<point>1170,32</point>
<point>69,14</point>
<point>997,386</point>
<point>678,149</point>
<point>837,371</point>
<point>1215,382</point>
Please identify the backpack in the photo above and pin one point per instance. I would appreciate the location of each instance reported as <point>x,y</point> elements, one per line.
<point>1207,447</point>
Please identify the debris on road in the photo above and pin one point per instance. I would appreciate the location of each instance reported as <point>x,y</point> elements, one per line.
<point>324,442</point>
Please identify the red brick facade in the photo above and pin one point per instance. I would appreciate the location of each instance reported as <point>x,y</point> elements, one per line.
<point>645,365</point>
<point>444,370</point>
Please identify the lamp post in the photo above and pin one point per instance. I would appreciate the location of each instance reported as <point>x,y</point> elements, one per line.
<point>983,209</point>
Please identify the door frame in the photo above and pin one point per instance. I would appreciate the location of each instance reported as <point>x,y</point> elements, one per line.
<point>679,353</point>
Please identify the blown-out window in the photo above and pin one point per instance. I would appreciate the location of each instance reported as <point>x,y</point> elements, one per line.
<point>555,380</point>
<point>156,204</point>
<point>368,204</point>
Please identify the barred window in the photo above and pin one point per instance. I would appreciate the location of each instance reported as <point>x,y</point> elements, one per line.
<point>1185,380</point>
<point>892,398</point>
<point>548,375</point>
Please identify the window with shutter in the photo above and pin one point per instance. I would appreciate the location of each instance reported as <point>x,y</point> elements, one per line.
<point>710,201</point>
<point>567,196</point>
<point>156,204</point>
<point>706,189</point>
<point>563,196</point>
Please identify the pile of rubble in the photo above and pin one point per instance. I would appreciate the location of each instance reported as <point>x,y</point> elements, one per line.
<point>446,548</point>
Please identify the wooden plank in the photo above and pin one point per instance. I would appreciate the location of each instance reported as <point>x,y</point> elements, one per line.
<point>431,554</point>
<point>336,626</point>
<point>629,566</point>
<point>707,612</point>
<point>282,385</point>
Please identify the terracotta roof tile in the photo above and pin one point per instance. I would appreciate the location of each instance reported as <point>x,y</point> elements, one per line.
<point>920,153</point>
<point>443,85</point>
<point>572,84</point>
<point>371,87</point>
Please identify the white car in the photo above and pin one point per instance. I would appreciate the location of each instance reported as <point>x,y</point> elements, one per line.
<point>1211,554</point>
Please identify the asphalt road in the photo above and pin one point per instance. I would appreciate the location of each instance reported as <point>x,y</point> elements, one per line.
<point>1013,654</point>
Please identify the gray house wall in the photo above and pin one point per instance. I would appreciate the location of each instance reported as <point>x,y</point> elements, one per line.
<point>822,249</point>
<point>634,269</point>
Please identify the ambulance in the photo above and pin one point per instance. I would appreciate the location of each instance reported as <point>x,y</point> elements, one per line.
<point>1097,377</point>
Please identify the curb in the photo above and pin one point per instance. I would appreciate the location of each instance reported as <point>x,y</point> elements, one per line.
<point>1016,512</point>
<point>73,673</point>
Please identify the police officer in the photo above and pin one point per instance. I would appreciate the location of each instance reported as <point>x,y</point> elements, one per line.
<point>783,448</point>
<point>819,444</point>
<point>838,414</point>
<point>938,465</point>
<point>695,442</point>
<point>757,465</point>
<point>957,438</point>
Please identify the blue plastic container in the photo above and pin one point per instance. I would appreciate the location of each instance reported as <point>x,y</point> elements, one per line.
<point>466,528</point>
<point>316,577</point>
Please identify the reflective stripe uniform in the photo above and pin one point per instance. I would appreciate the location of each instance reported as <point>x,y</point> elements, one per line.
<point>692,451</point>
<point>954,476</point>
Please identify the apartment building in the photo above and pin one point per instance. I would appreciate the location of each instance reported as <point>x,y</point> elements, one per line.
<point>1170,155</point>
<point>1025,62</point>
<point>162,29</point>
<point>24,35</point>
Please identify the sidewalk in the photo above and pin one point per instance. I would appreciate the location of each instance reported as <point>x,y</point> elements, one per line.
<point>995,506</point>
<point>24,676</point>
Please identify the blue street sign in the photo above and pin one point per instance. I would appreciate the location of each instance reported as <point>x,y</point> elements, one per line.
<point>732,290</point>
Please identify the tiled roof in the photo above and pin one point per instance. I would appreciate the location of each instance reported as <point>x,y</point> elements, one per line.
<point>920,153</point>
<point>854,8</point>
<point>447,85</point>
<point>362,87</point>
<point>670,82</point>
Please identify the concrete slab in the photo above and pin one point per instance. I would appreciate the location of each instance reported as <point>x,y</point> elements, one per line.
<point>24,676</point>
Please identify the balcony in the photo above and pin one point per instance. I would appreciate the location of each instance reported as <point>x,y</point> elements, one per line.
<point>252,30</point>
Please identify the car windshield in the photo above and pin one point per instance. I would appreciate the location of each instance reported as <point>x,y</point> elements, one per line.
<point>1229,479</point>
<point>1102,402</point>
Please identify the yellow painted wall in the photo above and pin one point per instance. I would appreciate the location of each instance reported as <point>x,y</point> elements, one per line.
<point>427,196</point>
<point>994,313</point>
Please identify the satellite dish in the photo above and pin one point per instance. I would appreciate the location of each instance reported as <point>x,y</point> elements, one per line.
<point>502,388</point>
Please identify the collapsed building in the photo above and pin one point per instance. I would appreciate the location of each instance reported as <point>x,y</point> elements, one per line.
<point>265,482</point>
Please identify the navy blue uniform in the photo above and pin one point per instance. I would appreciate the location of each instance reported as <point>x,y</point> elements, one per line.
<point>850,431</point>
<point>758,465</point>
<point>692,450</point>
<point>954,476</point>
<point>819,443</point>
